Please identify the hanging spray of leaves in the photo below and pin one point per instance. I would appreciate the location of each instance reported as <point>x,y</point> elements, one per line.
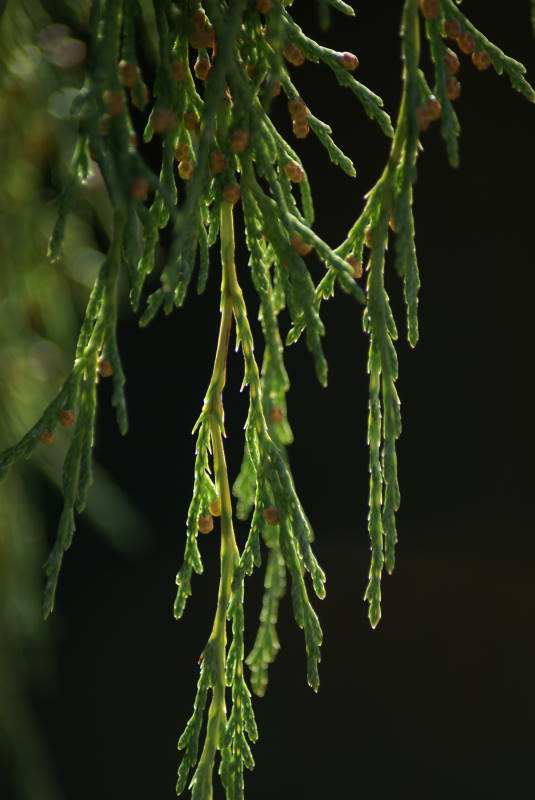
<point>219,70</point>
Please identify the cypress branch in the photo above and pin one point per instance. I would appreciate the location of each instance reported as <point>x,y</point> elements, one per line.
<point>501,62</point>
<point>215,121</point>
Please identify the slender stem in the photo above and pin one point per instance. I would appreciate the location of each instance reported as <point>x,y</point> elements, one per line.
<point>229,551</point>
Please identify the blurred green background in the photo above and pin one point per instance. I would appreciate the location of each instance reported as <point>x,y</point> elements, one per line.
<point>41,63</point>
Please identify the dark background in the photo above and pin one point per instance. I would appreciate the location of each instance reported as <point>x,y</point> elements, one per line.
<point>439,698</point>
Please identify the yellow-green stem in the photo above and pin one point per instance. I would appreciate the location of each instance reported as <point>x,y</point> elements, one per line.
<point>109,302</point>
<point>411,18</point>
<point>229,550</point>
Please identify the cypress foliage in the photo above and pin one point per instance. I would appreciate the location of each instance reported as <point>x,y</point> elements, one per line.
<point>214,120</point>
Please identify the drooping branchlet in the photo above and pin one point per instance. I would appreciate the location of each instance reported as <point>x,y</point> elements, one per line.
<point>104,124</point>
<point>197,118</point>
<point>178,70</point>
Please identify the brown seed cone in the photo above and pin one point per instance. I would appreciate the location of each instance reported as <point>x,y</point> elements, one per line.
<point>163,120</point>
<point>301,114</point>
<point>232,193</point>
<point>295,172</point>
<point>105,368</point>
<point>300,129</point>
<point>215,507</point>
<point>294,55</point>
<point>276,88</point>
<point>348,61</point>
<point>191,121</point>
<point>451,60</point>
<point>466,43</point>
<point>115,102</point>
<point>128,73</point>
<point>139,188</point>
<point>202,68</point>
<point>433,108</point>
<point>299,245</point>
<point>429,9</point>
<point>239,141</point>
<point>202,40</point>
<point>271,515</point>
<point>205,523</point>
<point>422,118</point>
<point>202,34</point>
<point>185,169</point>
<point>368,237</point>
<point>182,151</point>
<point>481,60</point>
<point>453,88</point>
<point>356,266</point>
<point>66,417</point>
<point>264,6</point>
<point>452,29</point>
<point>46,437</point>
<point>297,109</point>
<point>218,162</point>
<point>199,18</point>
<point>276,415</point>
